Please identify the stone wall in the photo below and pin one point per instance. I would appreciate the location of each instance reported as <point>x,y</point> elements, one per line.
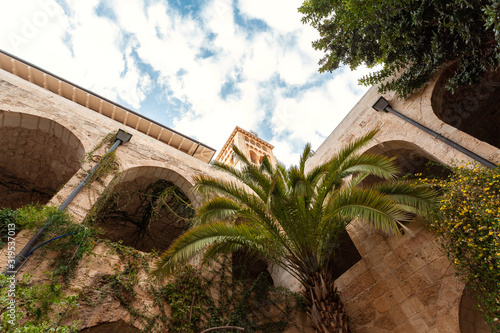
<point>401,284</point>
<point>404,284</point>
<point>59,134</point>
<point>37,156</point>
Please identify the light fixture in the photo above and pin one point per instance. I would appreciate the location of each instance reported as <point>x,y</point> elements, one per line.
<point>381,105</point>
<point>123,136</point>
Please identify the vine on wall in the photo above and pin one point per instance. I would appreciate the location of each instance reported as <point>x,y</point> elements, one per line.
<point>44,307</point>
<point>108,163</point>
<point>192,301</point>
<point>203,299</point>
<point>147,218</point>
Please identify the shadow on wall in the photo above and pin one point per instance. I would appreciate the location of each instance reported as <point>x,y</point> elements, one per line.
<point>470,317</point>
<point>410,159</point>
<point>473,109</point>
<point>144,210</point>
<point>37,157</point>
<point>119,326</point>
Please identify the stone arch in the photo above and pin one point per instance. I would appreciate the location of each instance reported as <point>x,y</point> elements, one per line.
<point>37,157</point>
<point>401,281</point>
<point>145,207</point>
<point>470,318</point>
<point>119,326</point>
<point>409,158</point>
<point>473,109</point>
<point>160,172</point>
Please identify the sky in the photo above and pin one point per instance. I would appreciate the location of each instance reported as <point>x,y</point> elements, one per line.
<point>200,67</point>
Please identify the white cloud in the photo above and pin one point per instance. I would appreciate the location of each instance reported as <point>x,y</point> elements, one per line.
<point>314,114</point>
<point>262,58</point>
<point>286,153</point>
<point>280,15</point>
<point>104,55</point>
<point>82,48</point>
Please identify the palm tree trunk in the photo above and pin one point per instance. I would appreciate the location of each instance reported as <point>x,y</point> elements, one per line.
<point>324,306</point>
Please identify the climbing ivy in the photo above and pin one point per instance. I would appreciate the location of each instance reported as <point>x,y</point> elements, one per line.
<point>42,307</point>
<point>468,223</point>
<point>201,300</point>
<point>161,204</point>
<point>38,307</point>
<point>107,164</point>
<point>192,301</point>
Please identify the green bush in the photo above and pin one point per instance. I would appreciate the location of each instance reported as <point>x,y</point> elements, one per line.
<point>468,221</point>
<point>40,308</point>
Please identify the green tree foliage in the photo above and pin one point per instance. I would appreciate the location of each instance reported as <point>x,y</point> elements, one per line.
<point>410,38</point>
<point>293,217</point>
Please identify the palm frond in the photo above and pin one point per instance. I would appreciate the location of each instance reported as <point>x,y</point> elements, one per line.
<point>292,217</point>
<point>306,154</point>
<point>265,166</point>
<point>377,210</point>
<point>376,165</point>
<point>417,199</point>
<point>217,209</point>
<point>349,150</point>
<point>196,240</point>
<point>210,185</point>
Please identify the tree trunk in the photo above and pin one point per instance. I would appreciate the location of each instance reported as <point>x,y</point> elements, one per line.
<point>324,306</point>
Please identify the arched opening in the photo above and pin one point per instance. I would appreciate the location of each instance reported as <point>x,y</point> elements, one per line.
<point>344,255</point>
<point>412,162</point>
<point>119,326</point>
<point>253,157</point>
<point>37,157</point>
<point>473,109</point>
<point>146,208</point>
<point>249,268</point>
<point>470,318</point>
<point>410,159</point>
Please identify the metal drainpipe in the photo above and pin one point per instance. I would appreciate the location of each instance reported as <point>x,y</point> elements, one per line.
<point>383,105</point>
<point>20,259</point>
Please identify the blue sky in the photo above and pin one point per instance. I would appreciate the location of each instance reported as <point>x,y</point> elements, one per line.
<point>200,67</point>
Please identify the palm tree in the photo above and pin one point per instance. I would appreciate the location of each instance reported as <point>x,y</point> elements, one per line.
<point>293,218</point>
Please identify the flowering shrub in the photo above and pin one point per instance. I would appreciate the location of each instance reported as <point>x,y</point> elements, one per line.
<point>468,219</point>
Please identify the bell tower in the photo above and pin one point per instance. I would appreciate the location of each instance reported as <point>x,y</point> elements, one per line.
<point>250,144</point>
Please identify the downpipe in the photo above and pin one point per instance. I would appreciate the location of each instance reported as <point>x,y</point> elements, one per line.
<point>12,269</point>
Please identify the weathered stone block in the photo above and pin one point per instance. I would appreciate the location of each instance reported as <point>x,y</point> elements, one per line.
<point>382,304</point>
<point>412,306</point>
<point>11,119</point>
<point>29,122</point>
<point>386,322</point>
<point>398,294</point>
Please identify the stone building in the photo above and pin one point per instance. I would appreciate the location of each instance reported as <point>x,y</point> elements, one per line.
<point>48,126</point>
<point>248,143</point>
